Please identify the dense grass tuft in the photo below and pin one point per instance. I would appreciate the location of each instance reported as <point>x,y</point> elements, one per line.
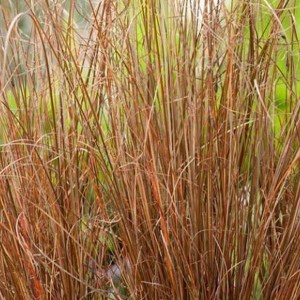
<point>150,150</point>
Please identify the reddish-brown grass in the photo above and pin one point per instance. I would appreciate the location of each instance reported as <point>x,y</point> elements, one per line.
<point>153,155</point>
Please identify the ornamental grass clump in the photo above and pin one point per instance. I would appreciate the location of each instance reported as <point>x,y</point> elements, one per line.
<point>149,150</point>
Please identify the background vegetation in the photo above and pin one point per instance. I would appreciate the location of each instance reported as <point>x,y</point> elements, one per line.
<point>149,150</point>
